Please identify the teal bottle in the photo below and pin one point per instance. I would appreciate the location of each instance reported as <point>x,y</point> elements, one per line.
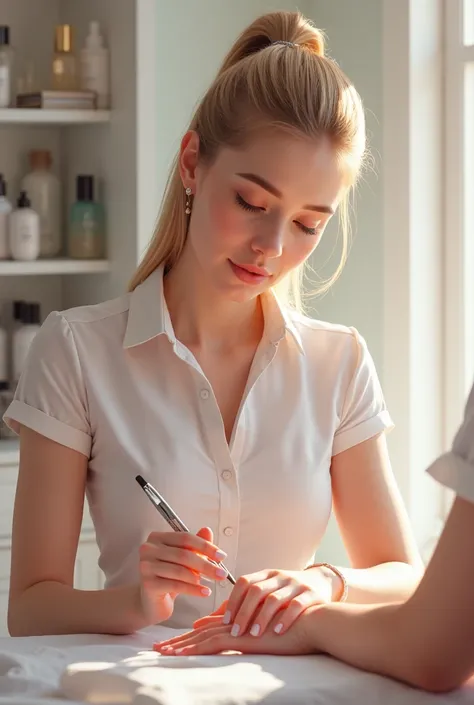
<point>86,236</point>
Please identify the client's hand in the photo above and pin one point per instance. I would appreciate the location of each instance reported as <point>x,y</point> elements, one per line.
<point>215,638</point>
<point>259,598</point>
<point>173,563</point>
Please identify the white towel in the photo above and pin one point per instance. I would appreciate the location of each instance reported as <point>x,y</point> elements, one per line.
<point>148,678</point>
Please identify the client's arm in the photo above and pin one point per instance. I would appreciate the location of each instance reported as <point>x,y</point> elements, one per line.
<point>427,641</point>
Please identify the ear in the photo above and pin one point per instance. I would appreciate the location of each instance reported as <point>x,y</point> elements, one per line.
<point>188,159</point>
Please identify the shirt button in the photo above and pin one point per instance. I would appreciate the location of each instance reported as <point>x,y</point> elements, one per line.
<point>226,474</point>
<point>228,531</point>
<point>204,394</point>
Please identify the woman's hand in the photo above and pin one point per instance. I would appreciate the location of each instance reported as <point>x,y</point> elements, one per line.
<point>260,597</point>
<point>173,563</point>
<point>216,638</point>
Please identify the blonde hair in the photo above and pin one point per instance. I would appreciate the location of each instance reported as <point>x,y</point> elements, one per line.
<point>276,74</point>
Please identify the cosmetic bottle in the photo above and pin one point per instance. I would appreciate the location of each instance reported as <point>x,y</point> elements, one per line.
<point>44,192</point>
<point>6,66</point>
<point>64,67</point>
<point>86,237</point>
<point>5,211</point>
<point>94,62</point>
<point>24,230</point>
<point>23,337</point>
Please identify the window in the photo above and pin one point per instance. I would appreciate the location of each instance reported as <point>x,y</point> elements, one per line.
<point>459,210</point>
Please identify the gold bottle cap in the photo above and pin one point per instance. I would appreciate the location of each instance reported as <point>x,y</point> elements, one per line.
<point>63,38</point>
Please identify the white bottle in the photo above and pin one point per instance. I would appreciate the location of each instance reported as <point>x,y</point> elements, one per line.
<point>5,210</point>
<point>95,66</point>
<point>3,359</point>
<point>23,337</point>
<point>24,231</point>
<point>6,56</point>
<point>44,191</point>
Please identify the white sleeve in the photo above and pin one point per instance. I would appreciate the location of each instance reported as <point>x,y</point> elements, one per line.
<point>364,413</point>
<point>456,468</point>
<point>50,397</point>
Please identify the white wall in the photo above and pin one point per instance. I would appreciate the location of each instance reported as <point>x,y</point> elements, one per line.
<point>354,38</point>
<point>354,35</point>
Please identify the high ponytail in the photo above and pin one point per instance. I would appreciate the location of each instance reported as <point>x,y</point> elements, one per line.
<point>276,74</point>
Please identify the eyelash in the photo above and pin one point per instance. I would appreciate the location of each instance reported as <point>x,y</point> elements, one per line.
<point>255,209</point>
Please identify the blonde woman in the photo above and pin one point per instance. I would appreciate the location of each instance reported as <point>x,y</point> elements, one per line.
<point>249,418</point>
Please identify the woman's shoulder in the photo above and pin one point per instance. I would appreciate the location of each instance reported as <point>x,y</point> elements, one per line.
<point>314,331</point>
<point>95,313</point>
<point>100,319</point>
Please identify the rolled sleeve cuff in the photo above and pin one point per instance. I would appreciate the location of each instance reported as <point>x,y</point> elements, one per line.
<point>454,472</point>
<point>19,413</point>
<point>362,432</point>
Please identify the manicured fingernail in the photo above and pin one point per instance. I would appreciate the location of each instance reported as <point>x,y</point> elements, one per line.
<point>278,628</point>
<point>179,651</point>
<point>221,573</point>
<point>235,630</point>
<point>220,555</point>
<point>206,591</point>
<point>255,631</point>
<point>226,618</point>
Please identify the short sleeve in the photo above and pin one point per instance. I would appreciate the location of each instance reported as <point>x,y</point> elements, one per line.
<point>455,469</point>
<point>50,397</point>
<point>364,413</point>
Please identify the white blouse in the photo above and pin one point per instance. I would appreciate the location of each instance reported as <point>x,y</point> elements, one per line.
<point>456,468</point>
<point>112,382</point>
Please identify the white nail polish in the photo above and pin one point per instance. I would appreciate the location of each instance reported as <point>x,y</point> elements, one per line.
<point>278,628</point>
<point>235,630</point>
<point>226,618</point>
<point>178,651</point>
<point>255,631</point>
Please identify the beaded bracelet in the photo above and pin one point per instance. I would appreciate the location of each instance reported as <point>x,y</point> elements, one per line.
<point>336,571</point>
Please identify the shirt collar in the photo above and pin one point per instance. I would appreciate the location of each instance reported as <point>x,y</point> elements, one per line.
<point>279,320</point>
<point>148,315</point>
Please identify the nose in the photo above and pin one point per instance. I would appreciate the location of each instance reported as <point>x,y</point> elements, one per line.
<point>269,241</point>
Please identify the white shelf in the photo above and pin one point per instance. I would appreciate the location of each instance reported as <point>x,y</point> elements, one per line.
<point>9,452</point>
<point>53,266</point>
<point>39,116</point>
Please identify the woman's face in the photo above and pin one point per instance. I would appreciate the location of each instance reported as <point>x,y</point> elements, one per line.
<point>258,211</point>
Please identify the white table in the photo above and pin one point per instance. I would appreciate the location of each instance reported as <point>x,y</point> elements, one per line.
<point>48,671</point>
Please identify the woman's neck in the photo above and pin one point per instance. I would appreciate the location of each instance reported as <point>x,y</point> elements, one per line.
<point>203,321</point>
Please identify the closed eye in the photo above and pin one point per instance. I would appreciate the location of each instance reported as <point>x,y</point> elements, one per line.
<point>256,209</point>
<point>247,206</point>
<point>306,230</point>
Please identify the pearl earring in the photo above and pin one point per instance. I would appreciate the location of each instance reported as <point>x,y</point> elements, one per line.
<point>188,201</point>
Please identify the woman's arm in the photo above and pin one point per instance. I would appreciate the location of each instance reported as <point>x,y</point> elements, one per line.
<point>374,526</point>
<point>46,526</point>
<point>427,641</point>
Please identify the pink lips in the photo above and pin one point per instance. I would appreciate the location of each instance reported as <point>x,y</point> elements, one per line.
<point>249,273</point>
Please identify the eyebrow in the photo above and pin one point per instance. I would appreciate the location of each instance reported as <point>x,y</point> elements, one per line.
<point>260,181</point>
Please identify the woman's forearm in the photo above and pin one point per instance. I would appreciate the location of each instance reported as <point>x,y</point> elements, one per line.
<point>385,639</point>
<point>387,582</point>
<point>54,608</point>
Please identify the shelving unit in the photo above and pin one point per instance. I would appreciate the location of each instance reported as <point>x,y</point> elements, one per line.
<point>37,116</point>
<point>117,146</point>
<point>120,148</point>
<point>53,267</point>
